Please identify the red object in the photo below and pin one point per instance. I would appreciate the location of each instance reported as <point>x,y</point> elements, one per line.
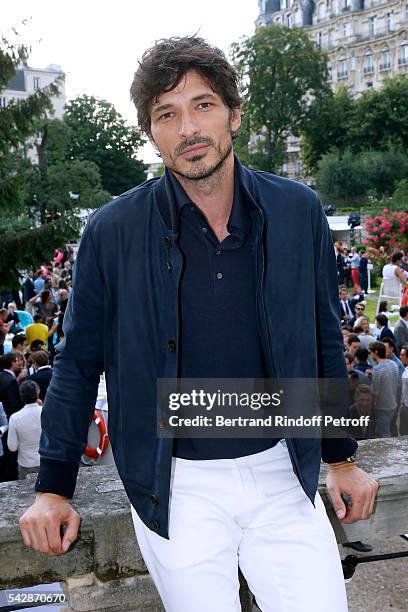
<point>95,453</point>
<point>355,275</point>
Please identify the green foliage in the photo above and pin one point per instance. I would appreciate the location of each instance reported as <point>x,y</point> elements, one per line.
<point>282,71</point>
<point>344,176</point>
<point>377,121</point>
<point>95,131</point>
<point>400,195</point>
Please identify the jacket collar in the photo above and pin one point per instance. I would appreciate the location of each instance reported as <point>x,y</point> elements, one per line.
<point>166,201</point>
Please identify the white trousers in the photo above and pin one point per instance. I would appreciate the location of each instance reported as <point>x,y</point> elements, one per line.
<point>249,512</point>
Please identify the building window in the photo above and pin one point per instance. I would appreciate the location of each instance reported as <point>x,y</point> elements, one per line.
<point>385,62</point>
<point>369,84</point>
<point>368,64</point>
<point>403,58</point>
<point>284,4</point>
<point>342,71</point>
<point>390,22</point>
<point>319,38</point>
<point>353,62</point>
<point>36,81</point>
<point>329,72</point>
<point>372,26</point>
<point>3,102</point>
<point>298,167</point>
<point>321,11</point>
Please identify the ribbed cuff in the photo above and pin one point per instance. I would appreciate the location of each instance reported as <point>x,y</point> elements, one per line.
<point>338,449</point>
<point>57,477</point>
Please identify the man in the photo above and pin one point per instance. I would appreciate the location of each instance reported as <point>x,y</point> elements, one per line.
<point>383,331</point>
<point>385,388</point>
<point>355,266</point>
<point>360,359</point>
<point>403,425</point>
<point>401,328</point>
<point>346,305</point>
<point>359,309</point>
<point>28,286</point>
<point>39,282</point>
<point>197,257</point>
<point>25,430</point>
<point>4,328</point>
<point>18,343</point>
<point>11,400</point>
<point>43,371</point>
<point>363,267</point>
<point>37,331</point>
<point>353,343</point>
<point>390,353</point>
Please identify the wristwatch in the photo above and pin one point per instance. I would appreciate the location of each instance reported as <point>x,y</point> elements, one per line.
<point>352,458</point>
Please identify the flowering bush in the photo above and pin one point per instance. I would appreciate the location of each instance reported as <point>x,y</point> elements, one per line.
<point>386,233</point>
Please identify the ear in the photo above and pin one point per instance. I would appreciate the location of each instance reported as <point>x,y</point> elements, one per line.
<point>235,119</point>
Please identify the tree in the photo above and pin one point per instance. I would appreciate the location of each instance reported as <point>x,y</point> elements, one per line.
<point>327,126</point>
<point>98,133</point>
<point>283,72</point>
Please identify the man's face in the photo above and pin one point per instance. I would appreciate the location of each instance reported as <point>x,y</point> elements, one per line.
<point>349,365</point>
<point>359,308</point>
<point>364,404</point>
<point>192,128</point>
<point>373,356</point>
<point>388,350</point>
<point>343,295</point>
<point>346,334</point>
<point>404,357</point>
<point>353,347</point>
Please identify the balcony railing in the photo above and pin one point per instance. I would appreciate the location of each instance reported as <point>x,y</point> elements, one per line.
<point>402,61</point>
<point>385,66</point>
<point>368,69</point>
<point>342,74</point>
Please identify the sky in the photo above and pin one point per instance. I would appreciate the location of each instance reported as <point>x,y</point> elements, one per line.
<point>98,43</point>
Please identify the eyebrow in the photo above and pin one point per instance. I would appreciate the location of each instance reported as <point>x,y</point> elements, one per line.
<point>168,105</point>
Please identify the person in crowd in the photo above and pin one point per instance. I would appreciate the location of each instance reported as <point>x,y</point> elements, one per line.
<point>361,407</point>
<point>338,251</point>
<point>42,371</point>
<point>401,329</point>
<point>37,331</point>
<point>21,366</point>
<point>346,305</point>
<point>365,335</point>
<point>383,331</point>
<point>355,274</point>
<point>356,377</point>
<point>347,268</point>
<point>13,316</point>
<point>383,308</point>
<point>3,430</point>
<point>18,343</point>
<point>46,306</point>
<point>385,387</point>
<point>393,271</point>
<point>359,309</point>
<point>353,343</point>
<point>403,422</point>
<point>39,283</point>
<point>25,430</point>
<point>360,360</point>
<point>346,330</point>
<point>391,353</point>
<point>28,286</point>
<point>11,400</point>
<point>363,267</point>
<point>4,328</point>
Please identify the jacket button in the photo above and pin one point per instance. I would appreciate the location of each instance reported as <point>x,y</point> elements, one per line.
<point>167,242</point>
<point>154,499</point>
<point>168,265</point>
<point>171,346</point>
<point>154,525</point>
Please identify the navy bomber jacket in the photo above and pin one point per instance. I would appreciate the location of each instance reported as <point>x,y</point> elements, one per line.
<point>122,318</point>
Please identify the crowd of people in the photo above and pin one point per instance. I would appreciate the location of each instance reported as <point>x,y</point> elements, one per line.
<point>26,369</point>
<point>376,358</point>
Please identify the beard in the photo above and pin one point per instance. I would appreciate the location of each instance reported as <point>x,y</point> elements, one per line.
<point>199,169</point>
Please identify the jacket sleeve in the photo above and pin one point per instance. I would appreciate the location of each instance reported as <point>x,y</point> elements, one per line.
<point>12,437</point>
<point>72,393</point>
<point>331,362</point>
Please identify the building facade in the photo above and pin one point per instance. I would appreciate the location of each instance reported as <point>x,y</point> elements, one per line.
<point>365,41</point>
<point>26,82</point>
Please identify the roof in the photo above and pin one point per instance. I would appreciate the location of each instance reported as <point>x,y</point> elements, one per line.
<point>340,224</point>
<point>17,83</point>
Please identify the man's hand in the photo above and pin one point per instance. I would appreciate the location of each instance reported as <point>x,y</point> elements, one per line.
<point>40,524</point>
<point>346,478</point>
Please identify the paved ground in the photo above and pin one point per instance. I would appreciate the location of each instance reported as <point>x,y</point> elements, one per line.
<point>381,585</point>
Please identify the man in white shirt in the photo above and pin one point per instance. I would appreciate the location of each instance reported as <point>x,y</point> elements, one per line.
<point>25,430</point>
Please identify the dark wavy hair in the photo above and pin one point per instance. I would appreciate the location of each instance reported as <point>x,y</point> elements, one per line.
<point>164,65</point>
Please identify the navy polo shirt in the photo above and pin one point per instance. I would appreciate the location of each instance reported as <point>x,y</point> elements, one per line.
<point>219,331</point>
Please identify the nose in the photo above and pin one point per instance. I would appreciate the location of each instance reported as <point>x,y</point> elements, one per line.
<point>188,126</point>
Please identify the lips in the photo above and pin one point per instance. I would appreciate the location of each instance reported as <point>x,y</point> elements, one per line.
<point>199,148</point>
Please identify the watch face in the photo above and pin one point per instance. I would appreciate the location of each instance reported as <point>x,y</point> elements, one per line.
<point>352,458</point>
